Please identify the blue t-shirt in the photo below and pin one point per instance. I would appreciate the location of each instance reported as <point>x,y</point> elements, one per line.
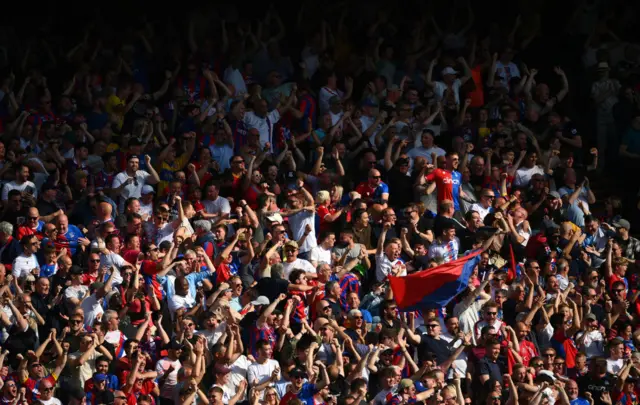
<point>306,393</point>
<point>456,178</point>
<point>579,401</point>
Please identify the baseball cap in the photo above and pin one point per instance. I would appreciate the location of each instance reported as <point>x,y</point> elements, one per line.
<point>174,345</point>
<point>449,71</point>
<point>261,300</point>
<point>334,100</point>
<point>275,217</point>
<point>591,317</point>
<point>75,270</point>
<point>622,223</point>
<point>147,189</point>
<point>554,194</point>
<point>99,377</point>
<point>291,243</point>
<point>298,372</point>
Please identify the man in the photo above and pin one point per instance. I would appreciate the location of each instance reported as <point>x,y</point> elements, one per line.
<point>630,245</point>
<point>113,334</point>
<point>32,226</point>
<point>388,262</point>
<point>47,204</point>
<point>265,368</point>
<point>293,262</point>
<point>322,252</point>
<point>490,319</point>
<point>130,182</point>
<point>301,217</point>
<point>167,369</point>
<point>27,263</point>
<point>447,245</point>
<point>83,362</point>
<point>615,362</point>
<point>490,365</point>
<point>71,234</point>
<point>306,391</point>
<point>111,257</point>
<point>597,381</point>
<point>214,204</point>
<point>33,377</point>
<point>407,393</point>
<point>9,246</point>
<point>484,206</point>
<point>374,190</point>
<point>21,183</point>
<point>572,391</point>
<point>448,180</point>
<point>46,393</point>
<point>263,330</point>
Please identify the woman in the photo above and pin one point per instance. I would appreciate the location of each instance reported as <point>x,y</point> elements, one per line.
<point>328,212</point>
<point>253,186</point>
<point>137,294</point>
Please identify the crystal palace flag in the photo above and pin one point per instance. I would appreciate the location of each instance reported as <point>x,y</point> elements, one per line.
<point>434,288</point>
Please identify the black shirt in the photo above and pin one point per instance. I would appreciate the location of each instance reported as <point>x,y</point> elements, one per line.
<point>439,347</point>
<point>596,386</point>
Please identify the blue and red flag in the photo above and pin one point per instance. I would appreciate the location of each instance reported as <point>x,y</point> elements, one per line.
<point>434,288</point>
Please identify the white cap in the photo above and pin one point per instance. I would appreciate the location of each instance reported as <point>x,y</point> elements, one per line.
<point>261,300</point>
<point>147,189</point>
<point>275,218</point>
<point>449,71</point>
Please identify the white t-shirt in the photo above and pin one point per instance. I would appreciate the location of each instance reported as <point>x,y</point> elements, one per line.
<point>166,390</point>
<point>130,190</point>
<point>261,372</point>
<point>614,366</point>
<point>77,292</point>
<point>297,264</point>
<point>523,175</point>
<point>238,373</point>
<point>320,255</point>
<point>20,187</point>
<point>480,210</point>
<point>384,267</point>
<point>324,97</point>
<point>298,223</point>
<point>440,87</point>
<point>176,302</point>
<point>218,206</point>
<point>92,308</point>
<point>234,77</point>
<point>22,265</point>
<point>592,344</point>
<point>85,371</point>
<point>51,401</point>
<point>263,125</point>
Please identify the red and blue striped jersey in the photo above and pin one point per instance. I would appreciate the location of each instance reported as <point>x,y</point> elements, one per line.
<point>267,333</point>
<point>194,89</point>
<point>349,283</point>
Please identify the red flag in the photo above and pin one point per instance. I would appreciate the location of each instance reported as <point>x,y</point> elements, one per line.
<point>511,275</point>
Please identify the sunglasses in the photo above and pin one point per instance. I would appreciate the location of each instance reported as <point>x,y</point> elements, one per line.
<point>618,291</point>
<point>375,177</point>
<point>95,260</point>
<point>549,355</point>
<point>74,321</point>
<point>492,313</point>
<point>433,325</point>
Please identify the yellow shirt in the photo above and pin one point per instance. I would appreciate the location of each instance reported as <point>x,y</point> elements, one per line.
<point>112,102</point>
<point>167,171</point>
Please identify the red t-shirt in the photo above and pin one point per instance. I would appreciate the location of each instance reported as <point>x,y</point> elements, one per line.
<point>444,184</point>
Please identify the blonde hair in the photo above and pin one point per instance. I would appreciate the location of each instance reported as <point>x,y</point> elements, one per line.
<point>322,196</point>
<point>339,191</point>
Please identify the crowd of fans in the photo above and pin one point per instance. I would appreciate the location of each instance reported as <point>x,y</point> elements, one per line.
<point>208,211</point>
